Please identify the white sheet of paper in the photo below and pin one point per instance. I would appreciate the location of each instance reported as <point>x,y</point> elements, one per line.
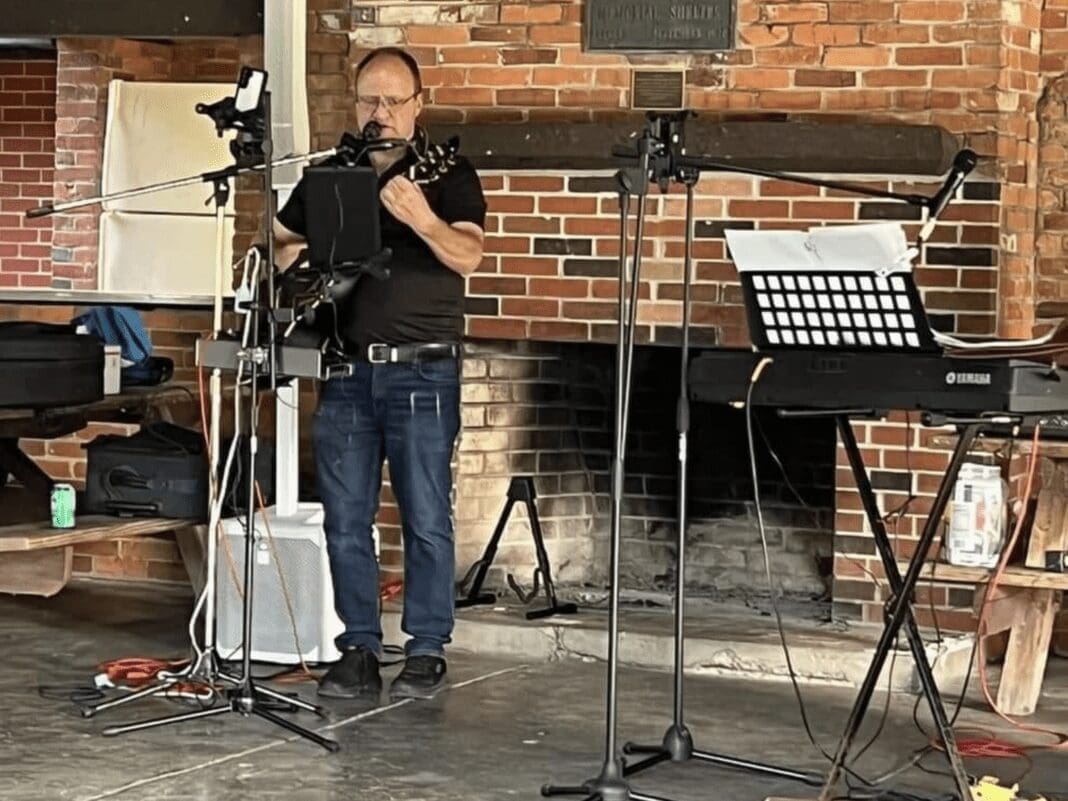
<point>869,247</point>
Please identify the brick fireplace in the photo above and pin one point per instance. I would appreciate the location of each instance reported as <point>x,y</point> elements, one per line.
<point>540,310</point>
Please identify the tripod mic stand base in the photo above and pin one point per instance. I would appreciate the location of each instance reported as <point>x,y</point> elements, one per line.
<point>677,746</point>
<point>609,786</point>
<point>248,699</point>
<point>209,675</point>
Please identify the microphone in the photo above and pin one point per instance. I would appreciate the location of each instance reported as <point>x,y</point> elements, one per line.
<point>963,164</point>
<point>353,148</point>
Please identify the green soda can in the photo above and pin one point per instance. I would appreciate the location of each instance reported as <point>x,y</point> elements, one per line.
<point>62,506</point>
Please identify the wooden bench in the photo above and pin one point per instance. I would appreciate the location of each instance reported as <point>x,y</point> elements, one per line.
<point>36,559</point>
<point>1025,604</point>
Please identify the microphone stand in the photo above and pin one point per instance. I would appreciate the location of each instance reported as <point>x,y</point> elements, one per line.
<point>254,154</point>
<point>661,159</point>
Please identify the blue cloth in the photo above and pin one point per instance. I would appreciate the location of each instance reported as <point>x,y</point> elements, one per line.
<point>122,326</point>
<point>410,414</point>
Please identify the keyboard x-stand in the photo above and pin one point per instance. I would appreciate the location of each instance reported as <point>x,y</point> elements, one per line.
<point>1000,397</point>
<point>898,608</point>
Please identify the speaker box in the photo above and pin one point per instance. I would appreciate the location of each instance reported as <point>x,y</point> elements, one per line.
<point>299,554</point>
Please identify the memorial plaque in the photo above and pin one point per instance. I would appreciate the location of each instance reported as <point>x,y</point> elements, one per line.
<point>656,89</point>
<point>659,25</point>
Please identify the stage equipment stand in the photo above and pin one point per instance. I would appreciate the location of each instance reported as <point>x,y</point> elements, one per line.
<point>249,113</point>
<point>520,490</point>
<point>654,162</point>
<point>662,160</point>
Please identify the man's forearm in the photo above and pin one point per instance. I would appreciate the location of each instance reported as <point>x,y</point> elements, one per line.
<point>287,245</point>
<point>285,253</point>
<point>457,249</point>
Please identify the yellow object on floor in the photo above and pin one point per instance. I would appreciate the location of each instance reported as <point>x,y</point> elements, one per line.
<point>988,789</point>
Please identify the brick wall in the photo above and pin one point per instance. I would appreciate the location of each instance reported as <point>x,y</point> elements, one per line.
<point>27,140</point>
<point>553,241</point>
<point>965,66</point>
<point>975,68</point>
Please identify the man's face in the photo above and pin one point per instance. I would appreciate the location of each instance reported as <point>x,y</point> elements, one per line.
<point>386,94</point>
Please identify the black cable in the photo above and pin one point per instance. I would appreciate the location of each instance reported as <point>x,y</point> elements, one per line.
<point>893,660</point>
<point>75,693</point>
<point>886,707</point>
<point>771,584</point>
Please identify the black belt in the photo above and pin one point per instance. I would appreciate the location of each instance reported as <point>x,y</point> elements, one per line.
<point>380,353</point>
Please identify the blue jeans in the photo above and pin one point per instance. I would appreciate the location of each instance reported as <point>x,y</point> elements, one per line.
<point>410,414</point>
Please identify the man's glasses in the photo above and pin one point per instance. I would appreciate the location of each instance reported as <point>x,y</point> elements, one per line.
<point>371,102</point>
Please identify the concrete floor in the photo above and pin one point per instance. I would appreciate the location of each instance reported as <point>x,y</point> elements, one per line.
<point>500,732</point>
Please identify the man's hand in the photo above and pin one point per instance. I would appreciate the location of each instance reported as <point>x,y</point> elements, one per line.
<point>406,201</point>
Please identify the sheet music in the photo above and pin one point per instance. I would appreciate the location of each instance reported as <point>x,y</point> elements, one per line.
<point>879,248</point>
<point>949,341</point>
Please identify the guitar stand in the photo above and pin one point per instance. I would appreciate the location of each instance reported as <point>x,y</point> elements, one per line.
<point>521,489</point>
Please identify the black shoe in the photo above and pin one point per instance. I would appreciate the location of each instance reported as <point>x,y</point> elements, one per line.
<point>422,677</point>
<point>354,675</point>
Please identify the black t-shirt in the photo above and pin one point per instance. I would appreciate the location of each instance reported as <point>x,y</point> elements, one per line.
<point>422,300</point>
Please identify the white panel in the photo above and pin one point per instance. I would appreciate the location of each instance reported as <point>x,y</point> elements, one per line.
<point>161,254</point>
<point>153,135</point>
<point>284,44</point>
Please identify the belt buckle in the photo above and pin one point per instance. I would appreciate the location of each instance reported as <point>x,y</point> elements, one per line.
<point>379,353</point>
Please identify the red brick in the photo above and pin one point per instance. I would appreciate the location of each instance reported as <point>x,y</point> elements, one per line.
<point>608,288</point>
<point>497,204</point>
<point>532,225</point>
<point>928,56</point>
<point>532,13</point>
<point>526,97</point>
<point>529,183</point>
<point>530,307</point>
<point>480,285</point>
<point>757,209</point>
<point>936,11</point>
<point>564,76</point>
<point>530,265</point>
<point>507,244</point>
<point>437,34</point>
<point>555,34</point>
<point>861,10</point>
<point>559,287</point>
<point>496,328</point>
<point>559,330</point>
<point>590,311</point>
<point>463,96</point>
<point>822,34</point>
<point>469,55</point>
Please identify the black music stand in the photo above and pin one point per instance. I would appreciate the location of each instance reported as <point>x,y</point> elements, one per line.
<point>343,215</point>
<point>833,309</point>
<point>880,310</point>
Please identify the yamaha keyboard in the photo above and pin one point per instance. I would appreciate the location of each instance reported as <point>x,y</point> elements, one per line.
<point>880,381</point>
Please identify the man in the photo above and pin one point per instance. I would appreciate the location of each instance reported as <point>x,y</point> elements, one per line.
<point>402,400</point>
